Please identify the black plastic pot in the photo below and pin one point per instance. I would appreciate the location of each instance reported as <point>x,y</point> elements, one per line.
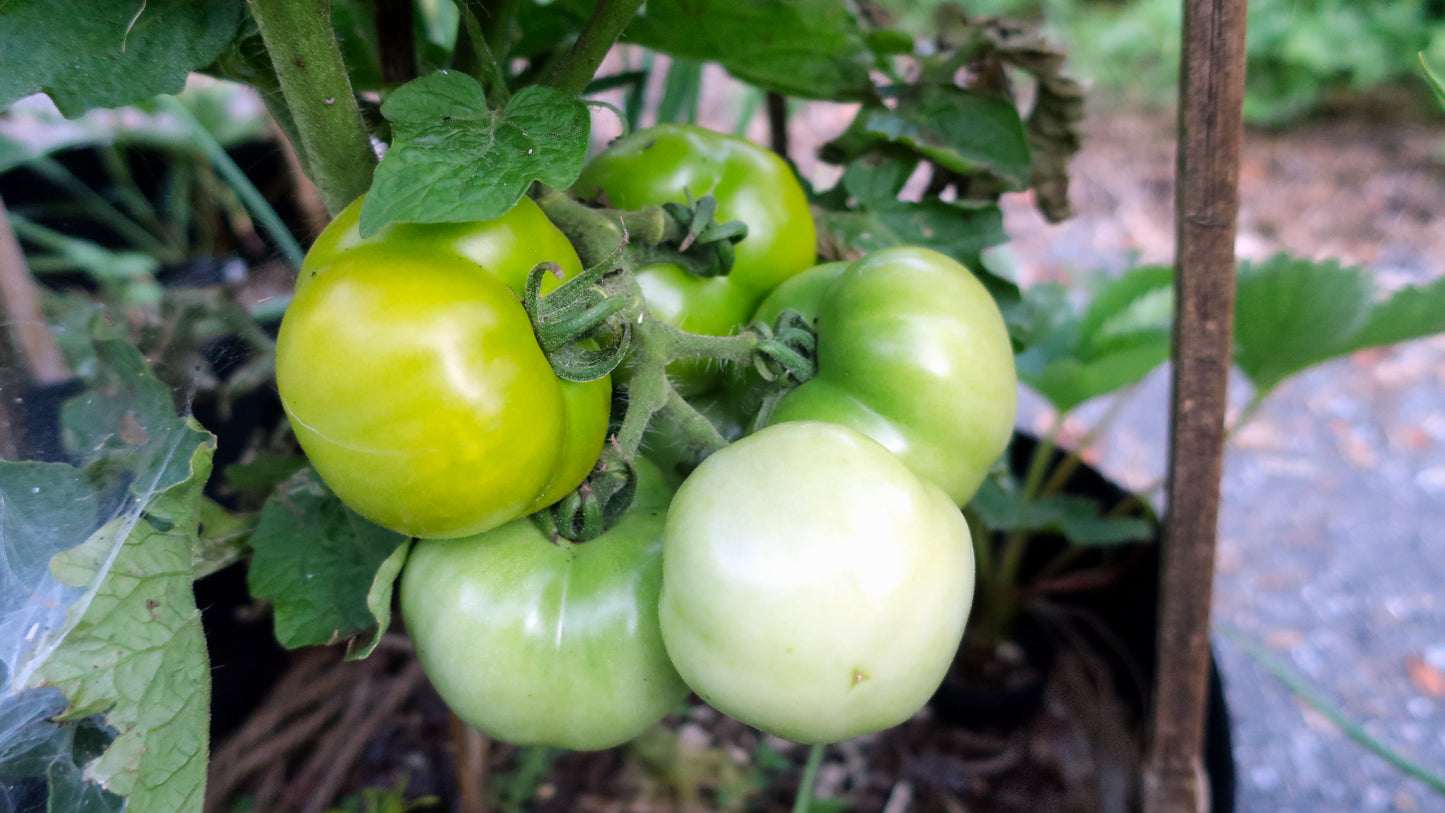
<point>1123,634</point>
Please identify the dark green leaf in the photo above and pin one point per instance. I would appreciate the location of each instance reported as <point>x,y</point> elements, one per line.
<point>808,48</point>
<point>961,231</point>
<point>1291,314</point>
<point>108,53</point>
<point>265,473</point>
<point>453,160</point>
<point>961,130</point>
<point>1078,519</point>
<point>876,179</point>
<point>317,562</point>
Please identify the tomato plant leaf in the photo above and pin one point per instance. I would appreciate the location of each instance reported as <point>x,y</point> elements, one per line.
<point>318,563</point>
<point>378,601</point>
<point>137,654</point>
<point>453,160</point>
<point>962,231</point>
<point>111,52</point>
<point>809,48</point>
<point>1292,313</point>
<point>961,130</point>
<point>97,617</point>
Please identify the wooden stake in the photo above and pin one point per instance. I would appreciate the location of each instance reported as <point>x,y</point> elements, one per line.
<point>1211,99</point>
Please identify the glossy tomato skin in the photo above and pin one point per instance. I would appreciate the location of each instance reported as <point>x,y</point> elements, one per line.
<point>418,391</point>
<point>507,247</point>
<point>813,587</point>
<point>913,352</point>
<point>542,643</point>
<point>666,163</point>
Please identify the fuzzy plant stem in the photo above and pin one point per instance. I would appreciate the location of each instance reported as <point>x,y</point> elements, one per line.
<point>317,89</point>
<point>572,73</point>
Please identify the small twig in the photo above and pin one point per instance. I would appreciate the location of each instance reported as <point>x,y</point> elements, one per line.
<point>20,299</point>
<point>356,737</point>
<point>471,766</point>
<point>271,752</point>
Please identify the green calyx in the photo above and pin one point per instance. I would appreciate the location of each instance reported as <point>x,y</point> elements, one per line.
<point>575,314</point>
<point>597,505</point>
<point>787,350</point>
<point>706,247</point>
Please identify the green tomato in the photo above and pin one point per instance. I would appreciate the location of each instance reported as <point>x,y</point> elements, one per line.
<point>666,163</point>
<point>812,586</point>
<point>418,391</point>
<point>913,352</point>
<point>548,643</point>
<point>508,246</point>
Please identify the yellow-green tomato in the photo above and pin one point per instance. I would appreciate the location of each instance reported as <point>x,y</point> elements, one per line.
<point>508,246</point>
<point>418,391</point>
<point>913,352</point>
<point>812,585</point>
<point>548,643</point>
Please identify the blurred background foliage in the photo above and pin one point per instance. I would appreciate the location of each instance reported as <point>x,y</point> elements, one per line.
<point>1303,54</point>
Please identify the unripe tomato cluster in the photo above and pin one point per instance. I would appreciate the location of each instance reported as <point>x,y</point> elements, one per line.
<point>811,579</point>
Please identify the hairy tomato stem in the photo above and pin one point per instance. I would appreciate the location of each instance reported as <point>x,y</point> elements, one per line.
<point>313,78</point>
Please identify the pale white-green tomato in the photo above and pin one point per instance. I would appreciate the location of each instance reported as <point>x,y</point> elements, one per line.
<point>542,642</point>
<point>813,586</point>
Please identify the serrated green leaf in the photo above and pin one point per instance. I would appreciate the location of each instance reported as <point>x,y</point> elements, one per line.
<point>1121,336</point>
<point>1411,313</point>
<point>808,48</point>
<point>108,53</point>
<point>318,563</point>
<point>964,131</point>
<point>453,160</point>
<point>137,652</point>
<point>1291,314</point>
<point>1140,301</point>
